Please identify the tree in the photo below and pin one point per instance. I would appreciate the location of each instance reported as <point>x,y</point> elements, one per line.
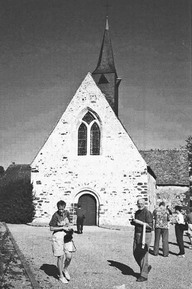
<point>189,149</point>
<point>2,171</point>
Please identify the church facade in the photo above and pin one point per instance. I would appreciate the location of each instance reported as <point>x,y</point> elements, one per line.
<point>89,158</point>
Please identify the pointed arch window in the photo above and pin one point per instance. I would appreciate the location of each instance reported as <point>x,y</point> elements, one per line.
<point>89,135</point>
<point>82,140</point>
<point>95,139</point>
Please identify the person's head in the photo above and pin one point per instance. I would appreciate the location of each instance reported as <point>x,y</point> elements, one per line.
<point>140,203</point>
<point>61,207</point>
<point>162,205</point>
<point>178,209</point>
<point>79,206</point>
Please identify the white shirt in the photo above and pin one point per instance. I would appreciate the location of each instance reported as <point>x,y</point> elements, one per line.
<point>180,218</point>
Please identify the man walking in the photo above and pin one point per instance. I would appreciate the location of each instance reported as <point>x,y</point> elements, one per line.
<point>143,223</point>
<point>80,219</point>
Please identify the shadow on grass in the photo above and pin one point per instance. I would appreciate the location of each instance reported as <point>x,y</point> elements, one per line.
<point>50,270</point>
<point>125,270</point>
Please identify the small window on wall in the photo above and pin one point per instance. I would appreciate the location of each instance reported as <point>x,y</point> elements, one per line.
<point>89,135</point>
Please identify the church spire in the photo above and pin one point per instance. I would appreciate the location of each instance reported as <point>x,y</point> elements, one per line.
<point>105,74</point>
<point>106,60</point>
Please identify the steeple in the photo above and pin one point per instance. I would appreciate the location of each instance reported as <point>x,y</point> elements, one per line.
<point>105,74</point>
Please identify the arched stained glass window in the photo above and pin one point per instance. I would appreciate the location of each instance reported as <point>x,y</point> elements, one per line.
<point>82,140</point>
<point>95,139</point>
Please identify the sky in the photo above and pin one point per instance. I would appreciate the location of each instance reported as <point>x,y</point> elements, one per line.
<point>48,46</point>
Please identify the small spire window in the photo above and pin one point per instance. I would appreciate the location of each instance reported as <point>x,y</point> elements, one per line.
<point>103,79</point>
<point>89,135</point>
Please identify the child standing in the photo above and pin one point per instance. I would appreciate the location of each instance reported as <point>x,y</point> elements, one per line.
<point>62,244</point>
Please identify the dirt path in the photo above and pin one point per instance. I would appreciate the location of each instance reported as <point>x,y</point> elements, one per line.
<point>103,260</point>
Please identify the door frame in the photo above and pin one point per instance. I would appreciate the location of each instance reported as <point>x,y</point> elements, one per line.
<point>92,193</point>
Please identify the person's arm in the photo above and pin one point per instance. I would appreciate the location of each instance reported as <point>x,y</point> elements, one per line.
<point>60,228</point>
<point>55,226</point>
<point>149,219</point>
<point>135,221</point>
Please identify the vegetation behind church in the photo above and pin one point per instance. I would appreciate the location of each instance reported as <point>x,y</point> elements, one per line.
<point>16,200</point>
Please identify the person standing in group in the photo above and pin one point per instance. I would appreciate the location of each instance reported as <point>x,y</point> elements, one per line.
<point>143,219</point>
<point>161,217</point>
<point>189,222</point>
<point>80,219</point>
<point>59,225</point>
<point>179,230</point>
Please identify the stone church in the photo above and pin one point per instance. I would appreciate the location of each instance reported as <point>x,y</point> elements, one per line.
<point>89,157</point>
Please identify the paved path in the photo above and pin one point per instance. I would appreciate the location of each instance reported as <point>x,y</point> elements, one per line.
<point>103,260</point>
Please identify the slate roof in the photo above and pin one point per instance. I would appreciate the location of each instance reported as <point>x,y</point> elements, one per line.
<point>106,60</point>
<point>171,167</point>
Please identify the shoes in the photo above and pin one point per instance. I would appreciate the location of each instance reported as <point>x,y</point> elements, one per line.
<point>149,268</point>
<point>141,279</point>
<point>181,256</point>
<point>63,280</point>
<point>165,255</point>
<point>66,274</point>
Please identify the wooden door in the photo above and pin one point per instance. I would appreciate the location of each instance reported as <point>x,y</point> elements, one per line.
<point>88,204</point>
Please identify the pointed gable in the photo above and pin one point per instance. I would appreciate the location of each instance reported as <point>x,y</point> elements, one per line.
<point>115,140</point>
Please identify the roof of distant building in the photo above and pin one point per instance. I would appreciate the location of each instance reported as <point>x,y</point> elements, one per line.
<point>171,167</point>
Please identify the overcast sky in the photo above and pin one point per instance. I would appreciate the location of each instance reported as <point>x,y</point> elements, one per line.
<point>48,46</point>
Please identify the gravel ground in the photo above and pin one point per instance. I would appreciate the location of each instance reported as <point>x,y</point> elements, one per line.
<point>103,260</point>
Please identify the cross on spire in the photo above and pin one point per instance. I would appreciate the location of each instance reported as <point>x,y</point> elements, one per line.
<point>107,6</point>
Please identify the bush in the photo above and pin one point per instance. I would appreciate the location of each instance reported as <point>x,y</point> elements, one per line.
<point>16,202</point>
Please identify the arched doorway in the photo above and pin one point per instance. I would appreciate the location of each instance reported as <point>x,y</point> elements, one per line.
<point>88,204</point>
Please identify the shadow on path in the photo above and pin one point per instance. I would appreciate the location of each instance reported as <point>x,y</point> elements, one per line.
<point>125,270</point>
<point>50,270</point>
<point>171,243</point>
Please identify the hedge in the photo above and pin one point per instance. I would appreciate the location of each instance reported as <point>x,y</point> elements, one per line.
<point>16,202</point>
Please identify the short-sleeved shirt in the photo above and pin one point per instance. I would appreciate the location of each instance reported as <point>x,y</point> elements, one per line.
<point>57,220</point>
<point>143,215</point>
<point>161,217</point>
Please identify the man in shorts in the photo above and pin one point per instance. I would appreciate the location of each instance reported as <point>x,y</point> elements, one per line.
<point>62,244</point>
